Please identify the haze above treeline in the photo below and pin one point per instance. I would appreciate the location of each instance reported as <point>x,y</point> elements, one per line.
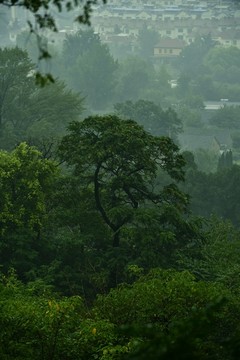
<point>182,55</point>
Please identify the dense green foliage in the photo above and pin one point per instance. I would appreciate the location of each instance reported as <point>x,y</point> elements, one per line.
<point>26,184</point>
<point>164,315</point>
<point>103,254</point>
<point>116,163</point>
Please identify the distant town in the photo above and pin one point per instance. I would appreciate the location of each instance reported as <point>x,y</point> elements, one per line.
<point>178,23</point>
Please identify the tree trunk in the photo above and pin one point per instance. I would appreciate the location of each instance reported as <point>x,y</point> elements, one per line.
<point>114,272</point>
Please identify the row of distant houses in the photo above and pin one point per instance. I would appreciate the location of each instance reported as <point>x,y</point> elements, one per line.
<point>183,20</point>
<point>183,3</point>
<point>178,23</point>
<point>168,47</point>
<point>163,14</point>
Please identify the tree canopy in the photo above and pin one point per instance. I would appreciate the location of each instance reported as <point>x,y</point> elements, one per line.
<point>119,161</point>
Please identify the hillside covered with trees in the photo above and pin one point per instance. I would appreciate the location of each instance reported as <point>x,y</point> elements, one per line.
<point>115,241</point>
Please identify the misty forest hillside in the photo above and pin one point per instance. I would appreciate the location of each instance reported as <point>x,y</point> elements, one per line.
<point>119,180</point>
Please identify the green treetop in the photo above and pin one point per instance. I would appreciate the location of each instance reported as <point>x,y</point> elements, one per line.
<point>25,186</point>
<point>119,161</point>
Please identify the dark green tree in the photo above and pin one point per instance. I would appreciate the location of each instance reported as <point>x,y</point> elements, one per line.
<point>118,161</point>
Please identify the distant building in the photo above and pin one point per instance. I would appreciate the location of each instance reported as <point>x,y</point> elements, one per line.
<point>168,48</point>
<point>176,19</point>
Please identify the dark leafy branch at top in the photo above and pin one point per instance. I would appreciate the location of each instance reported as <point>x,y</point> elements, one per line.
<point>41,9</point>
<point>45,19</point>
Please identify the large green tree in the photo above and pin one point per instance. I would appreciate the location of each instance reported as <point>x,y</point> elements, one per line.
<point>117,163</point>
